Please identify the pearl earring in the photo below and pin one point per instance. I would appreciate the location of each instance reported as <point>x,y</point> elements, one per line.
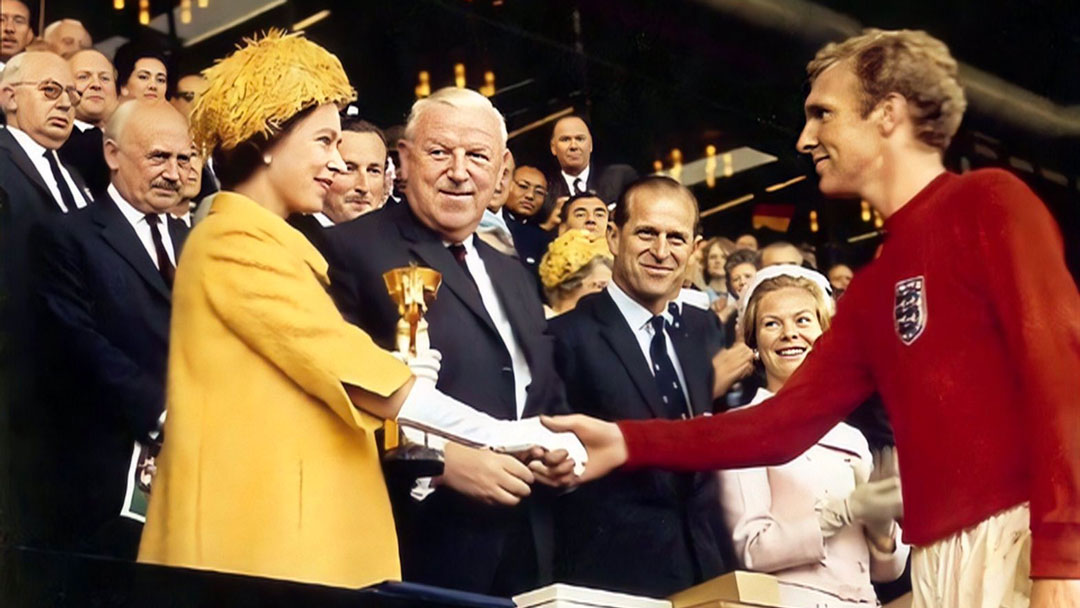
<point>267,159</point>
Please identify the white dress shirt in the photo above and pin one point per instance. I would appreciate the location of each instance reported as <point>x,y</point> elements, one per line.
<point>83,126</point>
<point>570,179</point>
<point>323,220</point>
<point>640,321</point>
<point>522,375</point>
<point>36,152</point>
<point>137,219</point>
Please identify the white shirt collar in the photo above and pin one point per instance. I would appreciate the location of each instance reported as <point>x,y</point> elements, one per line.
<point>33,149</point>
<point>83,126</point>
<point>635,314</point>
<point>133,215</point>
<point>583,176</point>
<point>323,220</point>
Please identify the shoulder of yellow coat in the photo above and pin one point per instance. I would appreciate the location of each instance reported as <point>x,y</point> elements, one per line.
<point>233,212</point>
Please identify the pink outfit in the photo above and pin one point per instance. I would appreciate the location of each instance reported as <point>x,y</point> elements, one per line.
<point>770,513</point>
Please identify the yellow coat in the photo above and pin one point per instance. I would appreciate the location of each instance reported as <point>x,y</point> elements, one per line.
<point>267,468</point>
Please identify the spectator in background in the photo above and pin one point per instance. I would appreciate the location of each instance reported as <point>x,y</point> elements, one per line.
<point>493,229</point>
<point>818,523</point>
<point>104,282</point>
<point>840,276</point>
<point>189,191</point>
<point>740,268</point>
<point>16,30</point>
<point>746,241</point>
<point>576,264</point>
<point>187,88</point>
<point>67,37</point>
<point>714,274</point>
<point>395,134</point>
<point>95,79</point>
<point>780,252</point>
<point>359,189</point>
<point>585,211</point>
<point>572,147</point>
<point>142,72</point>
<point>522,215</point>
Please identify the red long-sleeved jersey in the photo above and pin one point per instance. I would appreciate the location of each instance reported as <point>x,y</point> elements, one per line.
<point>968,325</point>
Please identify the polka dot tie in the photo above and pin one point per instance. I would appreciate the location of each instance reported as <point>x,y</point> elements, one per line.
<point>667,380</point>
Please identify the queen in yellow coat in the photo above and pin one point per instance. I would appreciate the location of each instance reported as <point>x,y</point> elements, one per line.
<point>269,467</point>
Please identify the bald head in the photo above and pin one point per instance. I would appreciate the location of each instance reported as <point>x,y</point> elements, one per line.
<point>67,37</point>
<point>148,149</point>
<point>28,82</point>
<point>781,253</point>
<point>571,144</point>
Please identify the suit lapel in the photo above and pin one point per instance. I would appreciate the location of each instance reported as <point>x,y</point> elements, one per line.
<point>178,231</point>
<point>119,234</point>
<point>23,162</point>
<point>617,333</point>
<point>690,347</point>
<point>427,246</point>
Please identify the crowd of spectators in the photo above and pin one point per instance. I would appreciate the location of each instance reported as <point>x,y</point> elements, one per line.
<point>587,288</point>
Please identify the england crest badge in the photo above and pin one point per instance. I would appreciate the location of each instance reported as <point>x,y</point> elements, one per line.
<point>909,309</point>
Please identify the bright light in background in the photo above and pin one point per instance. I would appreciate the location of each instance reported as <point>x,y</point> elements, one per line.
<point>813,221</point>
<point>118,5</point>
<point>459,75</point>
<point>185,11</point>
<point>144,12</point>
<point>865,211</point>
<point>423,84</point>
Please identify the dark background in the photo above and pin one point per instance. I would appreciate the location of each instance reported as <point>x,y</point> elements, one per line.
<point>653,76</point>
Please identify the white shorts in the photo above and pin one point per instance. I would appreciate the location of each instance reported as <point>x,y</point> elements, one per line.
<point>985,566</point>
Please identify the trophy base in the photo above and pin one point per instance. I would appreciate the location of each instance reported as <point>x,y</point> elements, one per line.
<point>413,460</point>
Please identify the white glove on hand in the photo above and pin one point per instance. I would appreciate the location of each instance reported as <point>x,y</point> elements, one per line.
<point>424,365</point>
<point>875,504</point>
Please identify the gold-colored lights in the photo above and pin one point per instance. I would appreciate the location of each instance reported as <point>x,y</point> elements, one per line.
<point>878,220</point>
<point>459,75</point>
<point>204,3</point>
<point>729,164</point>
<point>865,215</point>
<point>144,12</point>
<point>657,166</point>
<point>118,5</point>
<point>813,221</point>
<point>710,166</point>
<point>423,84</point>
<point>185,11</point>
<point>488,88</point>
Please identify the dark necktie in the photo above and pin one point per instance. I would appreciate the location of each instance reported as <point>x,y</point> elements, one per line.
<point>61,183</point>
<point>667,380</point>
<point>165,267</point>
<point>458,250</point>
<point>577,186</point>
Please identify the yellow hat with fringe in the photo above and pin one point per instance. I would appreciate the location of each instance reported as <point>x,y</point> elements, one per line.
<point>569,253</point>
<point>261,85</point>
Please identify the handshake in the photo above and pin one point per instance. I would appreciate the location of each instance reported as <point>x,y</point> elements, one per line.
<point>553,458</point>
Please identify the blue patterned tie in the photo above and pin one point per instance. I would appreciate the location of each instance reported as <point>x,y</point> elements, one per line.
<point>667,380</point>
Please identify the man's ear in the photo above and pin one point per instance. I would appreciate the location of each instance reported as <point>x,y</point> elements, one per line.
<point>7,99</point>
<point>112,154</point>
<point>892,112</point>
<point>612,237</point>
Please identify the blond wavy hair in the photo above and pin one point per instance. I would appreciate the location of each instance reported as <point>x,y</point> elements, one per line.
<point>911,63</point>
<point>821,304</point>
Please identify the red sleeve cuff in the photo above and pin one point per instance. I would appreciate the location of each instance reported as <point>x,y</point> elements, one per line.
<point>1055,551</point>
<point>639,436</point>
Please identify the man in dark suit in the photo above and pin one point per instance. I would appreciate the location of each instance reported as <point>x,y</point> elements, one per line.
<point>95,79</point>
<point>572,146</point>
<point>480,530</point>
<point>631,351</point>
<point>103,294</point>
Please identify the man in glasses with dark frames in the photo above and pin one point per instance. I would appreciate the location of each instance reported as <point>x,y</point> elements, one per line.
<point>38,97</point>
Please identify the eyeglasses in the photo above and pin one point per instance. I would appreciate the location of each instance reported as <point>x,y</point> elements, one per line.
<point>52,90</point>
<point>188,96</point>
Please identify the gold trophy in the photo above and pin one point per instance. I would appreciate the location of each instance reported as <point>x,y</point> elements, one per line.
<point>413,289</point>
